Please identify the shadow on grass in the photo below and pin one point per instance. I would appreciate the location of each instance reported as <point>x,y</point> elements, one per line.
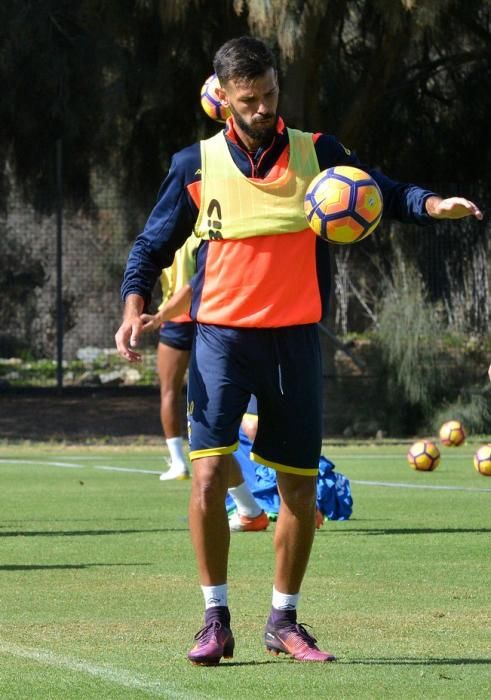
<point>409,531</point>
<point>12,523</point>
<point>234,664</point>
<point>398,661</point>
<point>49,567</point>
<point>395,661</point>
<point>82,533</point>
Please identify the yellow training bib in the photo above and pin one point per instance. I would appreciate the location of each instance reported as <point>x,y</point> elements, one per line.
<point>234,206</point>
<point>181,271</point>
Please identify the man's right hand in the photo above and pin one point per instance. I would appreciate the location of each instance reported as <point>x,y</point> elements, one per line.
<point>129,332</point>
<point>127,338</point>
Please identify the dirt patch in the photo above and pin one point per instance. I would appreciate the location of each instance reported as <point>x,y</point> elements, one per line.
<point>83,416</point>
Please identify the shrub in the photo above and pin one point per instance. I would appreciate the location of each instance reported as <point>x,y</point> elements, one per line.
<point>472,407</point>
<point>408,335</point>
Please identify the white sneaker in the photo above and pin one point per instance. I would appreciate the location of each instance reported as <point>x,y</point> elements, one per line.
<point>176,471</point>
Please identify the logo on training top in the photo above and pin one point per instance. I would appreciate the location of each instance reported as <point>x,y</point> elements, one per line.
<point>214,214</point>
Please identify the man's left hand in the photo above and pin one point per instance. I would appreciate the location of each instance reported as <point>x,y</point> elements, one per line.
<point>452,208</point>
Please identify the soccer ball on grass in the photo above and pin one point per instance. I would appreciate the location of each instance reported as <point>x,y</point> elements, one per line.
<point>424,456</point>
<point>482,460</point>
<point>343,204</point>
<point>452,433</point>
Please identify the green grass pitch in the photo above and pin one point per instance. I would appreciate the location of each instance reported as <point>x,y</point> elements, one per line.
<point>99,594</point>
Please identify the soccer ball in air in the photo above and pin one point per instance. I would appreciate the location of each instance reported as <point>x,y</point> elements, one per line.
<point>424,456</point>
<point>482,460</point>
<point>210,102</point>
<point>452,433</point>
<point>343,204</point>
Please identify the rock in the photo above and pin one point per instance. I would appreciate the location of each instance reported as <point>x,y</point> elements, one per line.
<point>132,376</point>
<point>114,378</point>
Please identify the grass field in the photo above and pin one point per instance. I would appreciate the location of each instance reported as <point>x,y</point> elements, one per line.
<point>99,597</point>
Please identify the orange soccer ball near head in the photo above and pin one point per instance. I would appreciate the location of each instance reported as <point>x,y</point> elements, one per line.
<point>210,102</point>
<point>343,204</point>
<point>423,456</point>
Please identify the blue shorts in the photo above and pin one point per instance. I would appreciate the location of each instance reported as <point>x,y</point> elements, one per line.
<point>177,335</point>
<point>282,368</point>
<point>252,406</point>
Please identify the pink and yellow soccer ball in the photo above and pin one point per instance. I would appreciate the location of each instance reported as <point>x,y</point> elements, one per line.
<point>452,433</point>
<point>343,204</point>
<point>210,102</point>
<point>423,456</point>
<point>482,460</point>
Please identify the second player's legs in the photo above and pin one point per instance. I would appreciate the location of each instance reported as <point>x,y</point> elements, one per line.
<point>235,476</point>
<point>171,365</point>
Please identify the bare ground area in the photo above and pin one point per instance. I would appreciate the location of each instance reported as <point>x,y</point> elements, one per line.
<point>80,417</point>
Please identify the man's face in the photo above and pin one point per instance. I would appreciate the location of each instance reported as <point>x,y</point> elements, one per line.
<point>254,106</point>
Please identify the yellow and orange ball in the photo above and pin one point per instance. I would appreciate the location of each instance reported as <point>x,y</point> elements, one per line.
<point>210,102</point>
<point>452,433</point>
<point>482,460</point>
<point>343,204</point>
<point>423,456</point>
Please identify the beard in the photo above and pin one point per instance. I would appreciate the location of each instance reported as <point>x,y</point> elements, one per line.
<point>261,130</point>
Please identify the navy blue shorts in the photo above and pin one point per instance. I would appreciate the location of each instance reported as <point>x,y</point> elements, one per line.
<point>281,367</point>
<point>252,406</point>
<point>177,335</point>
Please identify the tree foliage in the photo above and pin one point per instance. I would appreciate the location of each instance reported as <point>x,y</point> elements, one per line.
<point>116,81</point>
<point>404,82</point>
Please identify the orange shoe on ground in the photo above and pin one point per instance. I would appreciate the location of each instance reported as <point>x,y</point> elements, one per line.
<point>243,523</point>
